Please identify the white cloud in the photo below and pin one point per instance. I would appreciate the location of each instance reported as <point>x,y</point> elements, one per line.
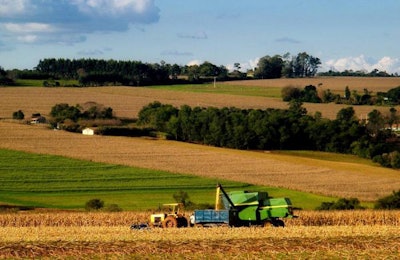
<point>13,7</point>
<point>69,21</point>
<point>389,64</point>
<point>194,62</point>
<point>114,7</point>
<point>28,27</point>
<point>244,66</point>
<point>362,63</point>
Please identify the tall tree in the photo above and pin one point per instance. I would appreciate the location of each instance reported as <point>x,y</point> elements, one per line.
<point>302,65</point>
<point>376,122</point>
<point>4,80</point>
<point>269,67</point>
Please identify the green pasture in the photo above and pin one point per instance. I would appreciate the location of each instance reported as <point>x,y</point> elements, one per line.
<point>49,181</point>
<point>220,88</point>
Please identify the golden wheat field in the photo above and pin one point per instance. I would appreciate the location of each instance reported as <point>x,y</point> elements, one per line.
<point>127,101</point>
<point>314,235</point>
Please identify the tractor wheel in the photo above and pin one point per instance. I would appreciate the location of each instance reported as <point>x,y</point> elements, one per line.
<point>170,222</point>
<point>182,222</point>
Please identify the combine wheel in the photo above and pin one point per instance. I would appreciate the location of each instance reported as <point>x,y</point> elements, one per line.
<point>277,223</point>
<point>267,224</point>
<point>170,222</point>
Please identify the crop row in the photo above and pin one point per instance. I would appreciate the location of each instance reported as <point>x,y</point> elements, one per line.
<point>110,219</point>
<point>295,242</point>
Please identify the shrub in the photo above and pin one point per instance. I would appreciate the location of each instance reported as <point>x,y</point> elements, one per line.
<point>182,197</point>
<point>94,204</point>
<point>18,115</point>
<point>389,202</point>
<point>341,204</point>
<point>290,92</point>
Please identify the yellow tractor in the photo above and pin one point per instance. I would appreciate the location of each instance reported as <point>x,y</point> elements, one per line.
<point>174,218</point>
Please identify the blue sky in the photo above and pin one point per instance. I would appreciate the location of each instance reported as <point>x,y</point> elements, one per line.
<point>344,34</point>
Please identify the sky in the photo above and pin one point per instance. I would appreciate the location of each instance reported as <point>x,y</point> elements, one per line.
<point>344,34</point>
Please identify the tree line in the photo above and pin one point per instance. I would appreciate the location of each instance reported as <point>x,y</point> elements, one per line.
<point>131,73</point>
<point>311,94</point>
<point>275,129</point>
<point>358,73</point>
<point>98,72</point>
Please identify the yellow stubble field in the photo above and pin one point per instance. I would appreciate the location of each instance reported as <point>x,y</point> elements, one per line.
<point>314,235</point>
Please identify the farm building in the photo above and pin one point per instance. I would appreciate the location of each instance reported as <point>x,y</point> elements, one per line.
<point>88,131</point>
<point>38,120</point>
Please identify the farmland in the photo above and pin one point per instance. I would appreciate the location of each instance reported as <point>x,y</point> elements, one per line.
<point>335,84</point>
<point>127,101</point>
<point>337,178</point>
<point>329,178</point>
<point>370,235</point>
<point>303,176</point>
<point>46,181</point>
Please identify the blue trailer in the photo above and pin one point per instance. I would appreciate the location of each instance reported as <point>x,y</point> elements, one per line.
<point>210,216</point>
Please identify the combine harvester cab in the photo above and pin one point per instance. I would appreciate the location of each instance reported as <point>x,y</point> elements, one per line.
<point>243,208</point>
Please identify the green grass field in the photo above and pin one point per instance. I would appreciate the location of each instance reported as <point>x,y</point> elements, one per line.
<point>220,88</point>
<point>47,181</point>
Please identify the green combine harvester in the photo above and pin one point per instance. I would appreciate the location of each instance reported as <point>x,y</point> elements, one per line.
<point>243,208</point>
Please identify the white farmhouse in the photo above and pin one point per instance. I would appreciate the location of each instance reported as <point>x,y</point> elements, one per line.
<point>88,131</point>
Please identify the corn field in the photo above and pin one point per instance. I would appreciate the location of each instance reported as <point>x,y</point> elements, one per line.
<point>313,235</point>
<point>114,219</point>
